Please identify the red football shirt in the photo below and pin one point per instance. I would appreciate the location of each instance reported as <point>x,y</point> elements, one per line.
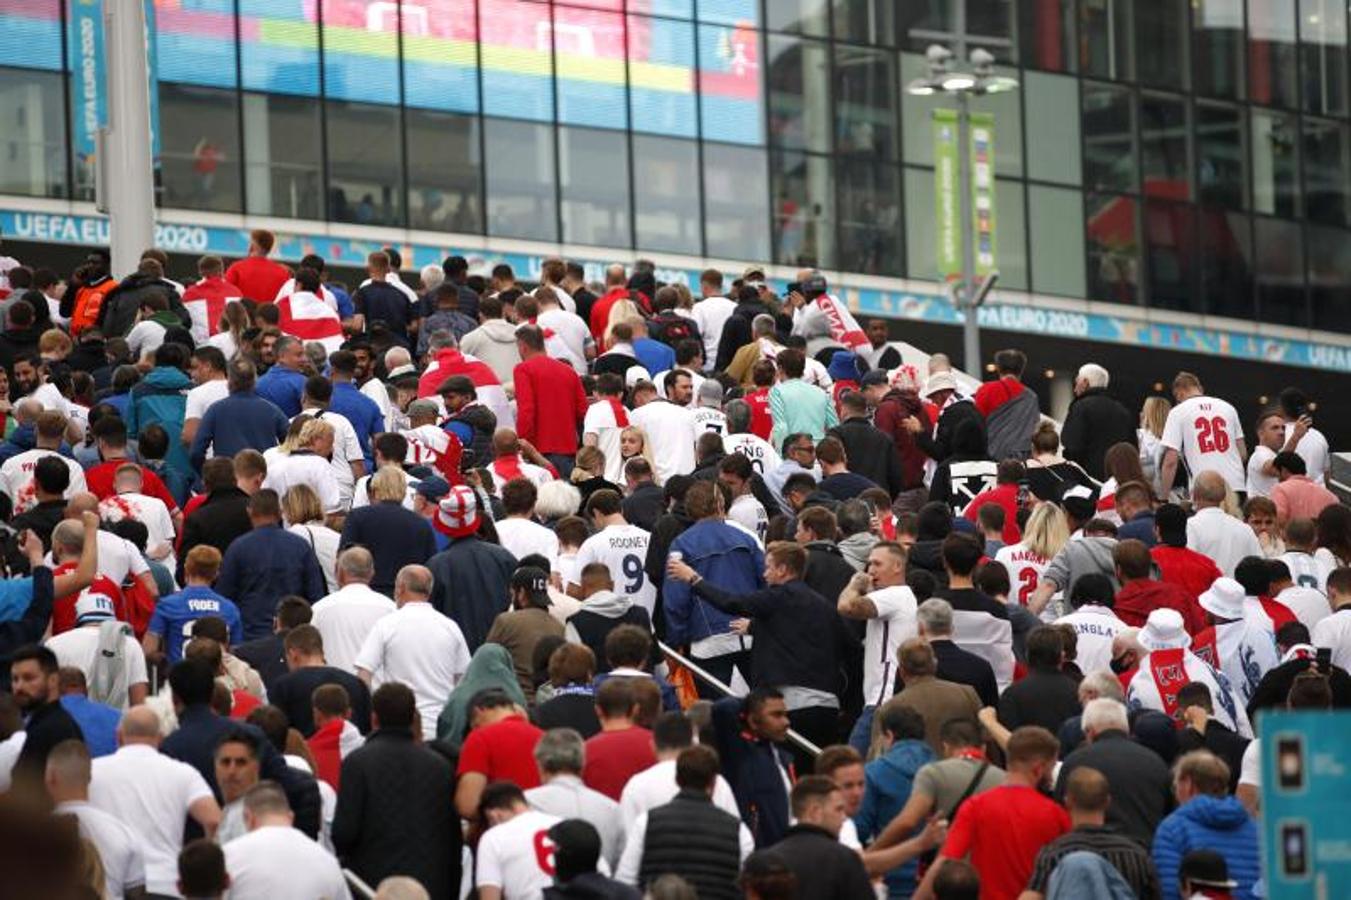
<point>63,609</point>
<point>762,422</point>
<point>1003,829</point>
<point>1193,572</point>
<point>100,481</point>
<point>503,751</point>
<point>258,278</point>
<point>613,757</point>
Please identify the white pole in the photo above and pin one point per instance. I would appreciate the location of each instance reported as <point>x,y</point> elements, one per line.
<point>971,316</point>
<point>127,172</point>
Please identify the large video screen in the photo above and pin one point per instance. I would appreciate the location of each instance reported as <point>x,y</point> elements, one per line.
<point>30,33</point>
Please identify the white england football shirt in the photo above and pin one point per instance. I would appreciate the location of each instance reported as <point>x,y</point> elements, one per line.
<point>759,451</point>
<point>1307,570</point>
<point>1025,569</point>
<point>16,478</point>
<point>1095,627</point>
<point>895,623</point>
<point>750,514</point>
<point>623,550</point>
<point>600,421</point>
<point>518,857</point>
<point>708,419</point>
<point>670,429</point>
<point>1207,433</point>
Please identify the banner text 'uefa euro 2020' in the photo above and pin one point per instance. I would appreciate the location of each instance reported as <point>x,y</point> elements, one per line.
<point>95,231</point>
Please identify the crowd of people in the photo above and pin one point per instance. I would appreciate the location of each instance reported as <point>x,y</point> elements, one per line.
<point>620,590</point>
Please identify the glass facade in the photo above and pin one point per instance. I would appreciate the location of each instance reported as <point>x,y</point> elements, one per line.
<point>1190,155</point>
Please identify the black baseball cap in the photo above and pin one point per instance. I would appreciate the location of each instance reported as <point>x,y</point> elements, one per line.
<point>531,578</point>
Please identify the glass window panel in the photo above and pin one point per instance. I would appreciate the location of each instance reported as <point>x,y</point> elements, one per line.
<point>921,250</point>
<point>516,53</point>
<point>1226,262</point>
<point>32,133</point>
<point>661,77</point>
<point>1011,236</point>
<point>444,172</point>
<point>731,98</point>
<point>519,165</point>
<point>866,21</point>
<point>1109,137</point>
<point>870,218</point>
<point>440,55</point>
<point>1330,278</point>
<point>282,157</point>
<point>194,43</point>
<point>1322,31</point>
<point>799,94</point>
<point>1053,147</point>
<point>279,47</point>
<point>1163,147</point>
<point>1325,171</point>
<point>679,9</point>
<point>1107,41</point>
<point>1161,43</point>
<point>1280,272</point>
<point>361,50</point>
<point>590,67</point>
<point>666,205</point>
<point>804,209</point>
<point>1170,242</point>
<point>799,16</point>
<point>865,102</point>
<point>199,148</point>
<point>990,24</point>
<point>1220,176</point>
<point>917,112</point>
<point>1046,33</point>
<point>613,5</point>
<point>1271,53</point>
<point>30,34</point>
<point>1217,44</point>
<point>736,202</point>
<point>1275,164</point>
<point>1113,248</point>
<point>729,12</point>
<point>593,175</point>
<point>1057,240</point>
<point>365,164</point>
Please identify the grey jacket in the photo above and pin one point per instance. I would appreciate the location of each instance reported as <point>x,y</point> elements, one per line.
<point>1082,557</point>
<point>856,547</point>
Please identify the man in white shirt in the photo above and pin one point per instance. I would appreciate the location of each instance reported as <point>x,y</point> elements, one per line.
<point>515,859</point>
<point>1207,434</point>
<point>519,532</point>
<point>561,755</point>
<point>416,645</point>
<point>118,558</point>
<point>152,795</point>
<point>696,775</point>
<point>737,471</point>
<point>690,360</point>
<point>16,475</point>
<point>1334,632</point>
<point>620,546</point>
<point>574,337</point>
<point>670,431</point>
<point>130,503</point>
<point>346,617</point>
<point>711,313</point>
<point>1301,436</point>
<point>1309,604</point>
<point>708,414</point>
<point>79,647</point>
<point>656,785</point>
<point>275,859</point>
<point>1270,441</point>
<point>1214,532</point>
<point>208,374</point>
<point>605,420</point>
<point>67,780</point>
<point>1095,624</point>
<point>347,461</point>
<point>508,464</point>
<point>764,458</point>
<point>1306,570</point>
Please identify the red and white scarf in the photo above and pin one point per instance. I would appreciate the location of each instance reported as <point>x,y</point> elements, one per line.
<point>843,326</point>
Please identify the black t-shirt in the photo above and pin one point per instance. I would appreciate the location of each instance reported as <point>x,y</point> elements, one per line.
<point>845,485</point>
<point>293,693</point>
<point>577,711</point>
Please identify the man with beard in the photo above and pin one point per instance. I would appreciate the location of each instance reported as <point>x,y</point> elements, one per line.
<point>36,687</point>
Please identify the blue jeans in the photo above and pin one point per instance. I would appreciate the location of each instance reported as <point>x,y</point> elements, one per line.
<point>562,462</point>
<point>861,735</point>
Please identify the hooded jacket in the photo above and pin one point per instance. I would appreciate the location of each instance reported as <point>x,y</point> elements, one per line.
<point>889,780</point>
<point>1138,598</point>
<point>1209,823</point>
<point>736,332</point>
<point>161,398</point>
<point>474,425</point>
<point>600,614</point>
<point>471,585</point>
<point>494,343</point>
<point>117,315</point>
<point>726,556</point>
<point>871,453</point>
<point>897,406</point>
<point>856,547</point>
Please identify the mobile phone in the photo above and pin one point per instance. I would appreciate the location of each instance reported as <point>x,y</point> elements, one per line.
<point>1290,762</point>
<point>1294,849</point>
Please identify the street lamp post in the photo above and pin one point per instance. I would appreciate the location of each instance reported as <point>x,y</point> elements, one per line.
<point>967,295</point>
<point>124,177</point>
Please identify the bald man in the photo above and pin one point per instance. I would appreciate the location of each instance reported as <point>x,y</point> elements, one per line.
<point>118,558</point>
<point>345,617</point>
<point>67,779</point>
<point>152,794</point>
<point>1215,533</point>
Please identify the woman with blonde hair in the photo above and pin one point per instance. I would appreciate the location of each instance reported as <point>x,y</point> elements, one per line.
<point>588,473</point>
<point>1045,534</point>
<point>304,516</point>
<point>233,322</point>
<point>307,462</point>
<point>1149,436</point>
<point>632,442</point>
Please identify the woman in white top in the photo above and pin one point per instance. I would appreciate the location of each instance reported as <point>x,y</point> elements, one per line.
<point>1046,533</point>
<point>234,320</point>
<point>308,463</point>
<point>1149,436</point>
<point>304,516</point>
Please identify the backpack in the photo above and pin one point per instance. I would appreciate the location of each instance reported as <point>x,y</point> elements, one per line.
<point>671,329</point>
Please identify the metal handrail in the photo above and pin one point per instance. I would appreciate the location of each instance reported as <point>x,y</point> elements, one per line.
<point>360,886</point>
<point>726,691</point>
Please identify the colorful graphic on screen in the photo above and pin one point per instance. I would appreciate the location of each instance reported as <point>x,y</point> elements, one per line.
<point>30,33</point>
<point>196,41</point>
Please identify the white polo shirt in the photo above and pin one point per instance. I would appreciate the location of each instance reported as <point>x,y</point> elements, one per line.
<point>895,622</point>
<point>1309,605</point>
<point>278,861</point>
<point>118,846</point>
<point>344,619</point>
<point>671,432</point>
<point>524,537</point>
<point>1223,538</point>
<point>420,647</point>
<point>149,793</point>
<point>79,647</point>
<point>623,550</point>
<point>517,856</point>
<point>204,396</point>
<point>1334,632</point>
<point>656,786</point>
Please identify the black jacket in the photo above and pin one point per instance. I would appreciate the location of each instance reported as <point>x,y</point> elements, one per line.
<point>267,655</point>
<point>117,315</point>
<point>396,537</point>
<point>736,332</point>
<point>221,518</point>
<point>1096,420</point>
<point>395,814</point>
<point>1275,687</point>
<point>1142,787</point>
<point>293,693</point>
<point>965,667</point>
<point>927,556</point>
<point>664,533</point>
<point>825,868</point>
<point>755,769</point>
<point>1223,742</point>
<point>692,838</point>
<point>1045,697</point>
<point>471,585</point>
<point>481,421</point>
<point>16,342</point>
<point>645,505</point>
<point>47,726</point>
<point>939,446</point>
<point>871,453</point>
<point>828,572</point>
<point>592,886</point>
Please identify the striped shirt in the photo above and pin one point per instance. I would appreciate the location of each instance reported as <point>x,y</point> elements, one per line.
<point>1126,856</point>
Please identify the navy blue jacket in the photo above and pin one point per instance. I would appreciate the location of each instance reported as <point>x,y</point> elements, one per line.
<point>283,387</point>
<point>755,770</point>
<point>472,579</point>
<point>396,537</point>
<point>1140,528</point>
<point>242,421</point>
<point>263,566</point>
<point>366,418</point>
